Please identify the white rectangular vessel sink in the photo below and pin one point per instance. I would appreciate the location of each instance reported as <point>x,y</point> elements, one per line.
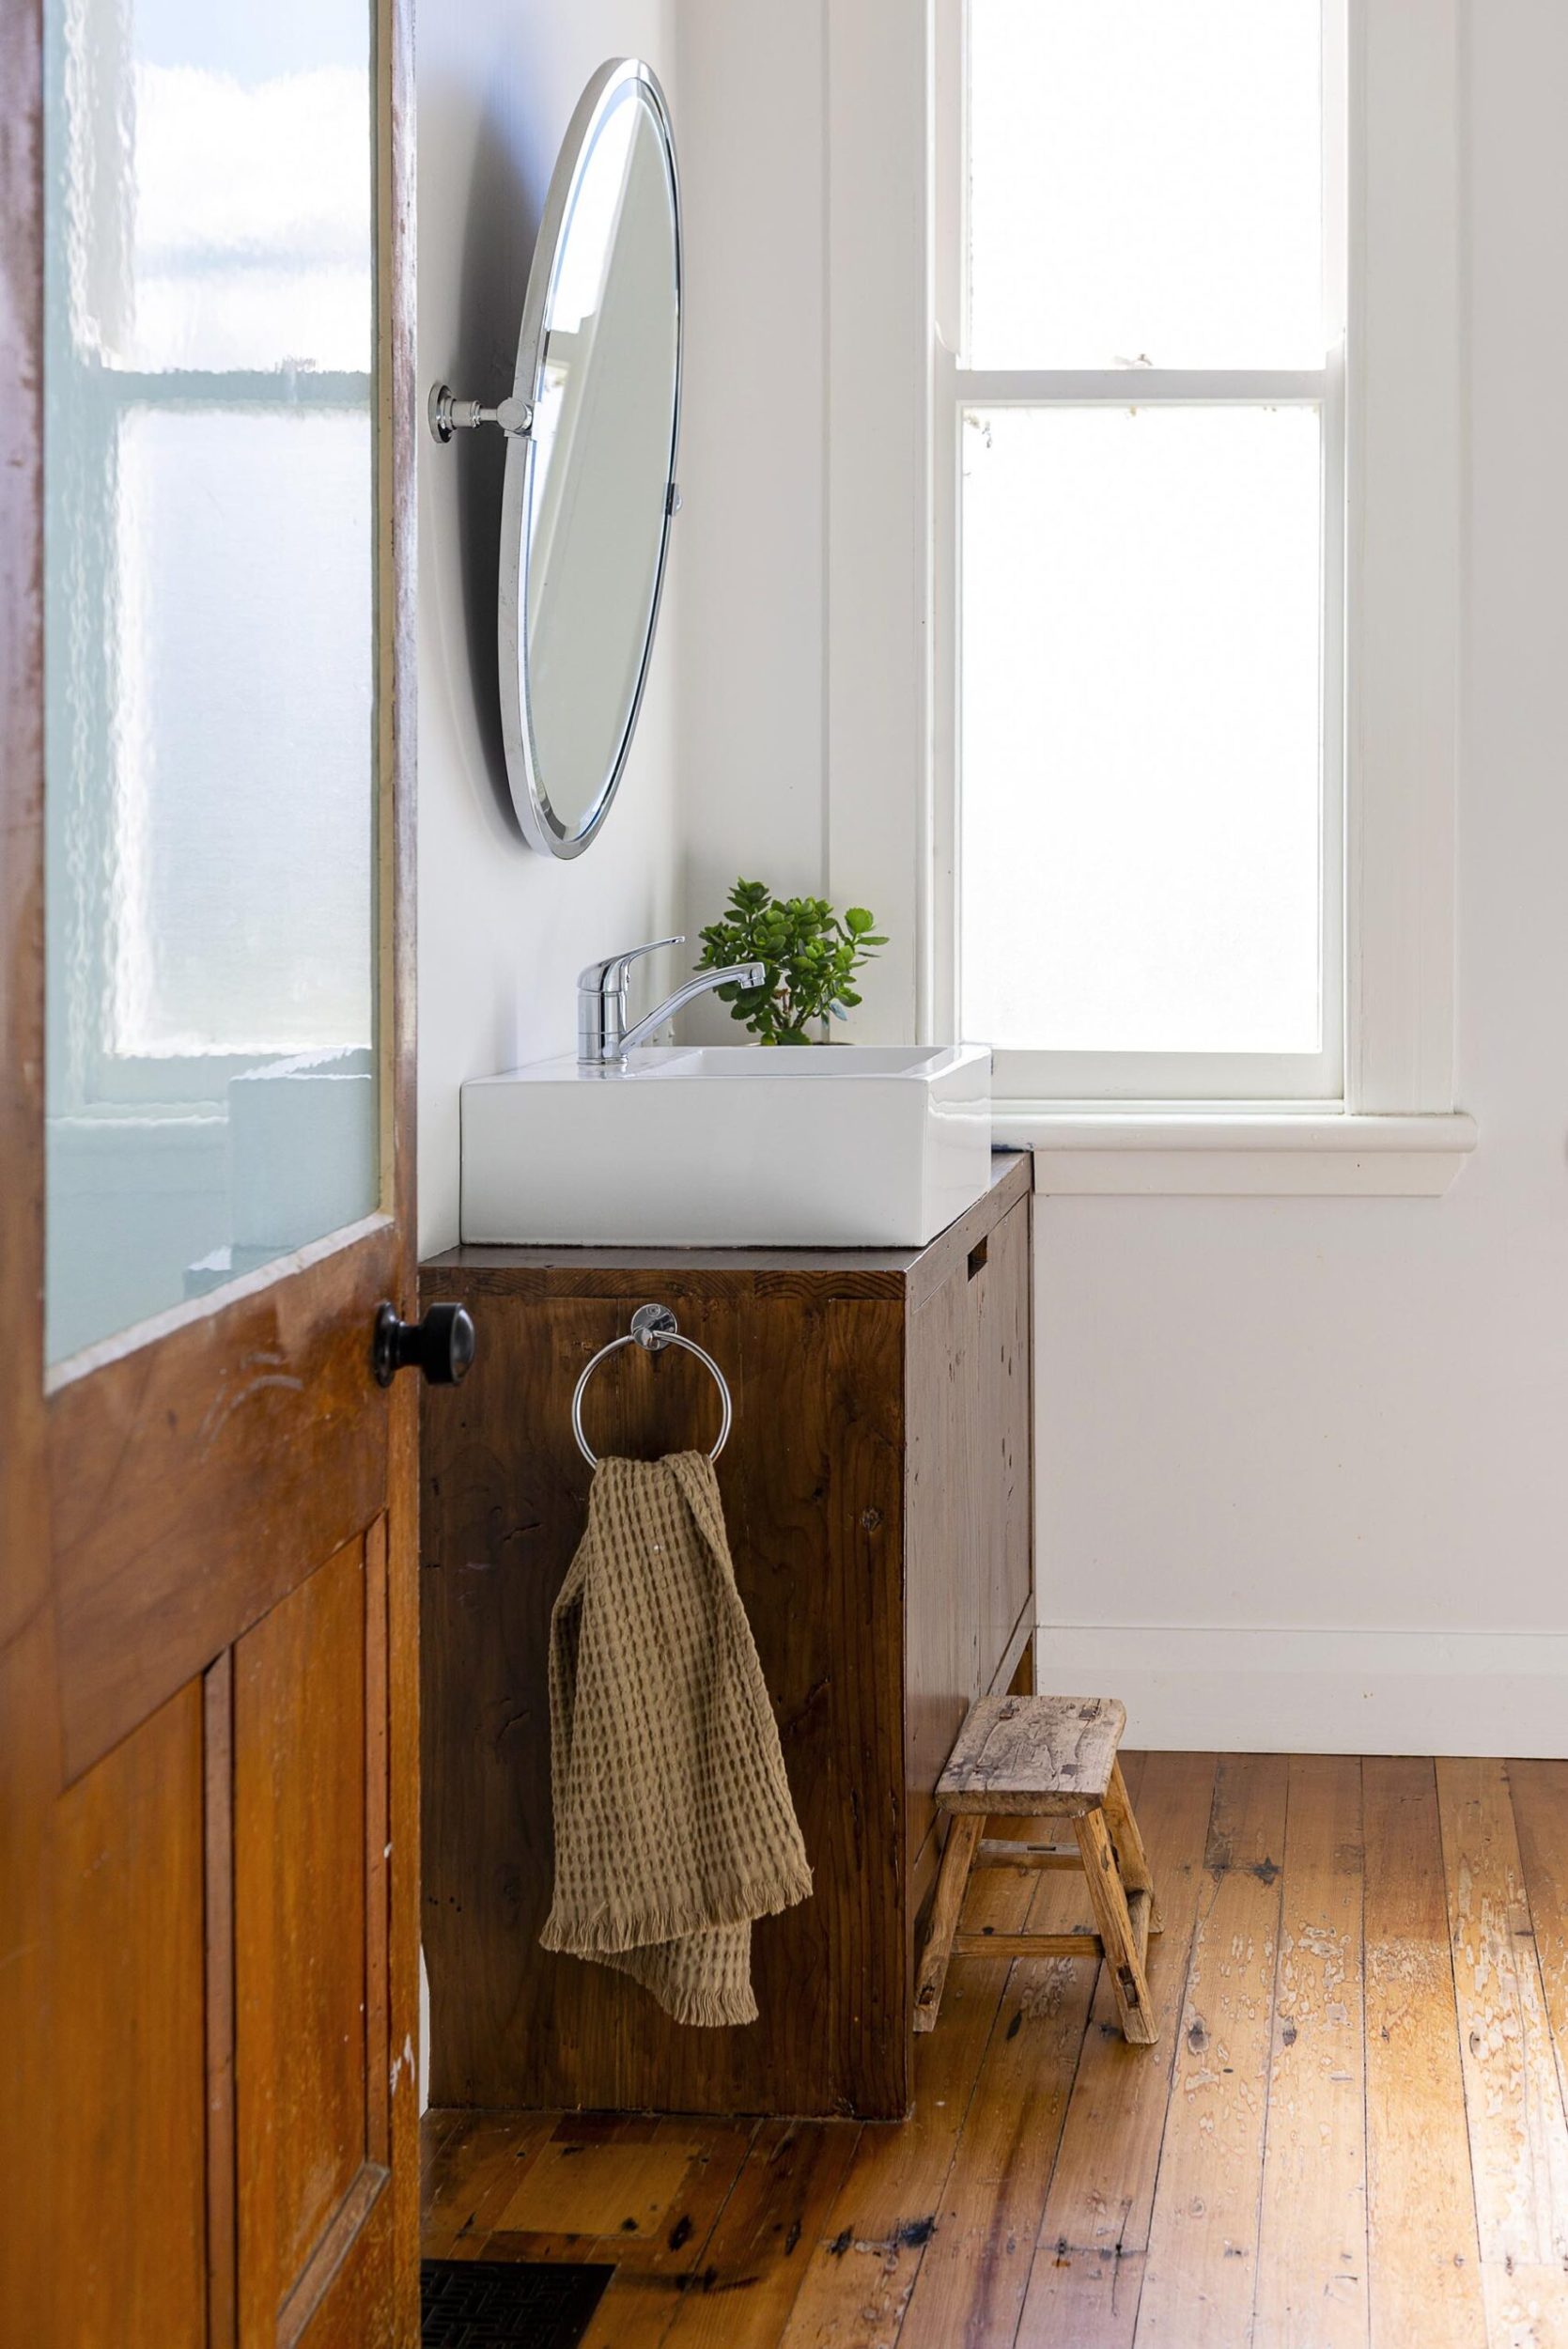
<point>812,1147</point>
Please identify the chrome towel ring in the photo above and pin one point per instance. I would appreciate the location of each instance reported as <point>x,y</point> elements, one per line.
<point>653,1328</point>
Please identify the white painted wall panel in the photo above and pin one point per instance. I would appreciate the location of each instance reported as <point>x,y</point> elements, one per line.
<point>503,932</point>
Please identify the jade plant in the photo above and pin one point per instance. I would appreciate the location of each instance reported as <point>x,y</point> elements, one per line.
<point>809,956</point>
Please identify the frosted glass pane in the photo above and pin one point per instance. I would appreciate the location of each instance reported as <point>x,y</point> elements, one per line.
<point>208,472</point>
<point>1141,731</point>
<point>215,183</point>
<point>1145,183</point>
<point>241,872</point>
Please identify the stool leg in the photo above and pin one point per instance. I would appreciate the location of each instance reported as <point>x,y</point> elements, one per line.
<point>1118,1940</point>
<point>1131,1856</point>
<point>963,1835</point>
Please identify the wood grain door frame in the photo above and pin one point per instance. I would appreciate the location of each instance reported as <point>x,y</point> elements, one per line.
<point>126,1573</point>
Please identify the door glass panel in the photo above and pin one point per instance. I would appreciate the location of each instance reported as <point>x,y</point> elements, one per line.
<point>209,646</point>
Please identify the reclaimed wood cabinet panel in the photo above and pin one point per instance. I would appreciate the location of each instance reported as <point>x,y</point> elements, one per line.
<point>876,1488</point>
<point>968,1522</point>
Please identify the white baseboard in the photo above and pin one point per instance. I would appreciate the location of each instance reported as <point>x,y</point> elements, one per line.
<point>1193,1690</point>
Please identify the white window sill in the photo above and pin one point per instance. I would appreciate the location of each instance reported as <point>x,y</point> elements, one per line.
<point>1235,1153</point>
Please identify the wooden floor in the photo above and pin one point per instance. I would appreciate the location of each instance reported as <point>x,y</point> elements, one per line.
<point>1352,2131</point>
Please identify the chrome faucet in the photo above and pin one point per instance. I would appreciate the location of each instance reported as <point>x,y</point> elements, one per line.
<point>603,1039</point>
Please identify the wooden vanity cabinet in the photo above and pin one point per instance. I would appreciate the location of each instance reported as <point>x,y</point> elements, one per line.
<point>876,1492</point>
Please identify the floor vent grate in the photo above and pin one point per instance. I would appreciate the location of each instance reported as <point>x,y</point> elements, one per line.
<point>498,2304</point>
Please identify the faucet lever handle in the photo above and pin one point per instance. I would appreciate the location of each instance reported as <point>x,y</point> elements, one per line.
<point>609,976</point>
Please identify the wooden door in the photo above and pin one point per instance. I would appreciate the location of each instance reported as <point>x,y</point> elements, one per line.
<point>208,1827</point>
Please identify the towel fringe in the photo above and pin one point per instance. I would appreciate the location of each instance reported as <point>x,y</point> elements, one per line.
<point>614,1926</point>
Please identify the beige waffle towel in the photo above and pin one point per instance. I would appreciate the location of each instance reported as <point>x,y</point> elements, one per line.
<point>674,1824</point>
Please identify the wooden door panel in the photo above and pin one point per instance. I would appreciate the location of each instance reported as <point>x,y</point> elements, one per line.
<point>157,1571</point>
<point>129,1930</point>
<point>207,1745</point>
<point>312,2061</point>
<point>366,2301</point>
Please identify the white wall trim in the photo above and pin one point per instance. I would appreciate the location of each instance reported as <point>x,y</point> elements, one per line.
<point>1404,423</point>
<point>1193,1688</point>
<point>879,531</point>
<point>1283,1154</point>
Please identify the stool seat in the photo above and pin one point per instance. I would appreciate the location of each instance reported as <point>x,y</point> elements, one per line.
<point>1041,1757</point>
<point>1045,1757</point>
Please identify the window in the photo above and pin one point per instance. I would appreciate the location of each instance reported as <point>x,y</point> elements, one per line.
<point>1148,547</point>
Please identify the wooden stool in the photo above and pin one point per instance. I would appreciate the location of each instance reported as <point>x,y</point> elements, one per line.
<point>1052,1757</point>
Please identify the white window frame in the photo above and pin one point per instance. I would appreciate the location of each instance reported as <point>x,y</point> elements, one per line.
<point>892,163</point>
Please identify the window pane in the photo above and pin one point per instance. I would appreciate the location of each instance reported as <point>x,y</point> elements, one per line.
<point>1145,183</point>
<point>1140,732</point>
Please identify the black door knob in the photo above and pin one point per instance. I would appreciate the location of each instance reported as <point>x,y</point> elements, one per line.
<point>442,1345</point>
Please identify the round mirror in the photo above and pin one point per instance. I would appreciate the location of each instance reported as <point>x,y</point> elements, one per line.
<point>590,485</point>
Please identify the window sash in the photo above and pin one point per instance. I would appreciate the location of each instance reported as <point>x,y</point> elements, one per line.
<point>1051,1076</point>
<point>1315,1078</point>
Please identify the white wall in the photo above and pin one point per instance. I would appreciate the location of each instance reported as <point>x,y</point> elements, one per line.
<point>1303,1463</point>
<point>503,932</point>
<point>802,716</point>
<point>752,135</point>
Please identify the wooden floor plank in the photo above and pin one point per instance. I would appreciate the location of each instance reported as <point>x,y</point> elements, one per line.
<point>1540,1797</point>
<point>646,2291</point>
<point>747,2283</point>
<point>1037,2193</point>
<point>863,2269</point>
<point>974,2272</point>
<point>619,2186</point>
<point>1088,2265</point>
<point>436,2130</point>
<point>1424,2278</point>
<point>1312,2291</point>
<point>635,2311</point>
<point>475,2169</point>
<point>643,2201</point>
<point>1518,2130</point>
<point>971,2282</point>
<point>863,2266</point>
<point>1201,2273</point>
<point>1527,2307</point>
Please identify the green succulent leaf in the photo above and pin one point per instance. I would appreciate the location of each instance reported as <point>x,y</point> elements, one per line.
<point>809,954</point>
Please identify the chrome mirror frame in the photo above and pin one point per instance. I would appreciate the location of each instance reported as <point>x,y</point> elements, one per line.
<point>537,820</point>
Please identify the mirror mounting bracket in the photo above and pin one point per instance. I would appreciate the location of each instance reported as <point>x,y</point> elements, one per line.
<point>449,414</point>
